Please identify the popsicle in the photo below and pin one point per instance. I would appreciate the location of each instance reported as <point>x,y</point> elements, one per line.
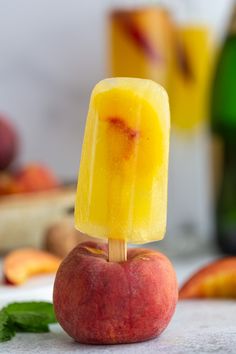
<point>122,184</point>
<point>144,34</point>
<point>191,77</point>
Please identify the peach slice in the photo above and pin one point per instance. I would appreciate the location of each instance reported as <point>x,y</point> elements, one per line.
<point>20,264</point>
<point>128,23</point>
<point>216,280</point>
<point>183,61</point>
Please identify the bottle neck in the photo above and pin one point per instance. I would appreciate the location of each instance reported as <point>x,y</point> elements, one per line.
<point>230,156</point>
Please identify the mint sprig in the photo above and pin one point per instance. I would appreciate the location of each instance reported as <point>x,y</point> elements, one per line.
<point>25,317</point>
<point>6,332</point>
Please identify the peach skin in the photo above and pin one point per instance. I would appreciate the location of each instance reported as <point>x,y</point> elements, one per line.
<point>34,177</point>
<point>101,302</point>
<point>9,143</point>
<point>20,264</point>
<point>216,280</point>
<point>6,182</point>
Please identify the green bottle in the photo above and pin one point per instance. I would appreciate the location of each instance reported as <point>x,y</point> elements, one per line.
<point>223,114</point>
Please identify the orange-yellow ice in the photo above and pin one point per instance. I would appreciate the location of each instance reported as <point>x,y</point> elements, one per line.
<point>122,185</point>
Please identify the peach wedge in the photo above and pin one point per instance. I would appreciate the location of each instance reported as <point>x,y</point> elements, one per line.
<point>23,263</point>
<point>216,280</point>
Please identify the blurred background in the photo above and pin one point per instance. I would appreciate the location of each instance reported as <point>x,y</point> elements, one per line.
<point>52,54</point>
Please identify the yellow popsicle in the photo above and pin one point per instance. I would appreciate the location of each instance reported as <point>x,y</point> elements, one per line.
<point>190,79</point>
<point>145,36</point>
<point>122,184</point>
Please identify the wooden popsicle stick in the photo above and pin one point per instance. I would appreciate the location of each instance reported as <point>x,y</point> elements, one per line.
<point>117,250</point>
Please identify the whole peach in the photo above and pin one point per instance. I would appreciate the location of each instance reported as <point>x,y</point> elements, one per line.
<point>34,177</point>
<point>101,302</point>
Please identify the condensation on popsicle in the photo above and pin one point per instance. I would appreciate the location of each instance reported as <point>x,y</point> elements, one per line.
<point>122,184</point>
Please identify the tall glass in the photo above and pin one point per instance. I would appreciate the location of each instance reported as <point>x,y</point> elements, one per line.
<point>190,78</point>
<point>145,42</point>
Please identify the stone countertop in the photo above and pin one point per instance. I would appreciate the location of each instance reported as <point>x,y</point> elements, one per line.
<point>197,326</point>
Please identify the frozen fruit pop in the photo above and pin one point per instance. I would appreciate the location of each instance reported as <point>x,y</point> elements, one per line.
<point>122,185</point>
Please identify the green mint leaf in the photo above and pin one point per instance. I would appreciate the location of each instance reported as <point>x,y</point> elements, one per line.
<point>6,330</point>
<point>6,334</point>
<point>29,322</point>
<point>41,308</point>
<point>25,317</point>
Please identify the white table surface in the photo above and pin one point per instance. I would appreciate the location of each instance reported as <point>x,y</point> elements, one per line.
<point>197,326</point>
